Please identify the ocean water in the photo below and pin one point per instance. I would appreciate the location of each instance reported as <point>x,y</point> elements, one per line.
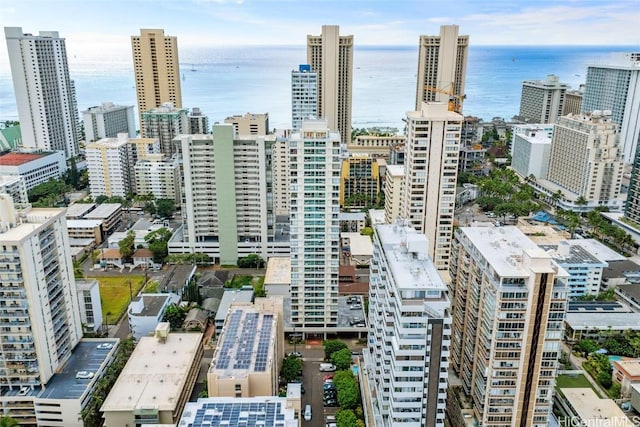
<point>235,80</point>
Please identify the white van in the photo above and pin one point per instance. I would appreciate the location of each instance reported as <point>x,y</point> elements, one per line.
<point>327,367</point>
<point>307,413</point>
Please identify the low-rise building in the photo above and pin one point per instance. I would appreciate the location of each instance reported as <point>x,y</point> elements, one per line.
<point>146,312</point>
<point>142,257</point>
<point>246,362</point>
<point>177,278</point>
<point>582,406</point>
<point>35,167</point>
<point>630,294</point>
<point>277,279</point>
<point>110,258</point>
<point>357,249</point>
<point>627,373</point>
<point>109,213</point>
<point>85,229</point>
<point>580,326</point>
<point>157,380</point>
<point>352,221</point>
<point>79,210</point>
<point>242,411</point>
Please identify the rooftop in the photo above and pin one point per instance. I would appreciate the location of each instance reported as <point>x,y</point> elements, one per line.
<point>83,223</point>
<point>278,271</point>
<point>80,243</point>
<point>246,342</point>
<point>17,159</point>
<point>435,111</point>
<point>406,252</point>
<point>230,296</point>
<point>143,253</point>
<point>35,218</point>
<point>77,210</point>
<point>565,253</point>
<point>103,211</point>
<point>152,304</point>
<point>352,216</point>
<point>176,277</point>
<point>630,291</point>
<point>85,357</point>
<point>358,244</point>
<point>619,269</point>
<point>596,306</point>
<point>377,216</point>
<point>156,373</point>
<point>594,410</point>
<point>395,170</point>
<point>597,249</point>
<point>602,320</point>
<point>245,411</point>
<point>111,253</point>
<point>631,368</point>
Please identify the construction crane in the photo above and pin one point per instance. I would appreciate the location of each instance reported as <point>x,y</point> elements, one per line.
<point>453,105</point>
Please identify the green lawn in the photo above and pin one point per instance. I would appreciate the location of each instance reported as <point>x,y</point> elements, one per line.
<point>574,381</point>
<point>240,280</point>
<point>114,294</point>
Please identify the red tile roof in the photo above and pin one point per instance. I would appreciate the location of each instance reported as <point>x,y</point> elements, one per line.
<point>17,159</point>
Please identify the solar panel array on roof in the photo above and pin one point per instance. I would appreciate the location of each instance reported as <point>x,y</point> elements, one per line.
<point>267,414</point>
<point>224,358</point>
<point>264,343</point>
<point>576,306</point>
<point>247,341</point>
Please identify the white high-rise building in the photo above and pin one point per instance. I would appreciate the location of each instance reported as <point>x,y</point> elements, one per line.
<point>108,120</point>
<point>442,67</point>
<point>615,86</point>
<point>40,317</point>
<point>159,176</point>
<point>542,101</point>
<point>409,333</point>
<point>331,57</point>
<point>281,176</point>
<point>508,300</point>
<point>304,95</point>
<point>530,150</point>
<point>431,169</point>
<point>45,94</point>
<point>393,196</point>
<point>586,159</point>
<point>165,123</point>
<point>315,226</point>
<point>198,122</point>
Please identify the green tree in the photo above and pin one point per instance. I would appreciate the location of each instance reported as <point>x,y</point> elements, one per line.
<point>349,395</point>
<point>101,199</point>
<point>175,315</point>
<point>165,207</point>
<point>160,250</point>
<point>162,234</point>
<point>586,347</point>
<point>342,359</point>
<point>291,368</point>
<point>346,418</point>
<point>331,346</point>
<point>48,194</point>
<point>251,261</point>
<point>8,422</point>
<point>126,246</point>
<point>604,378</point>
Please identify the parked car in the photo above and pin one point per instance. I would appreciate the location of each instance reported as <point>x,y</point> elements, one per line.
<point>295,354</point>
<point>105,346</point>
<point>327,367</point>
<point>327,377</point>
<point>330,402</point>
<point>84,375</point>
<point>329,386</point>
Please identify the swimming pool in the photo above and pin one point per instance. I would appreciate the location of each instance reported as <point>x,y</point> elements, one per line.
<point>614,358</point>
<point>355,370</point>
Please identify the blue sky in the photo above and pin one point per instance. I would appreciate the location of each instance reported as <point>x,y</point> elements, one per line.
<point>105,26</point>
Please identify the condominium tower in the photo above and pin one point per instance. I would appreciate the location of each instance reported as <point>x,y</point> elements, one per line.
<point>227,196</point>
<point>331,57</point>
<point>431,169</point>
<point>615,86</point>
<point>108,120</point>
<point>542,101</point>
<point>165,123</point>
<point>442,67</point>
<point>508,301</point>
<point>157,71</point>
<point>585,158</point>
<point>410,331</point>
<point>45,95</point>
<point>304,95</point>
<point>40,315</point>
<point>315,227</point>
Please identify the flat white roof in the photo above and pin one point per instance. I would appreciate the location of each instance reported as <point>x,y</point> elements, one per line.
<point>406,252</point>
<point>359,244</point>
<point>598,250</point>
<point>602,320</point>
<point>83,223</point>
<point>77,210</point>
<point>352,216</point>
<point>104,210</point>
<point>503,247</point>
<point>594,410</point>
<point>234,411</point>
<point>377,216</point>
<point>230,296</point>
<point>35,219</point>
<point>155,375</point>
<point>278,271</point>
<point>395,170</point>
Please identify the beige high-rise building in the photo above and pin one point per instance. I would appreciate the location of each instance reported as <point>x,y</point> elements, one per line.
<point>157,72</point>
<point>431,169</point>
<point>331,56</point>
<point>442,67</point>
<point>508,300</point>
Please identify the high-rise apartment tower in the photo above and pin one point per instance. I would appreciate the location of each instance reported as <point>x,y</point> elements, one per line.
<point>331,57</point>
<point>157,71</point>
<point>304,95</point>
<point>542,101</point>
<point>431,169</point>
<point>442,67</point>
<point>45,95</point>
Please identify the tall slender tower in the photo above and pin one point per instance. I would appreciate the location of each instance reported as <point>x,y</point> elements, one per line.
<point>157,72</point>
<point>45,94</point>
<point>304,95</point>
<point>315,227</point>
<point>442,66</point>
<point>331,57</point>
<point>431,169</point>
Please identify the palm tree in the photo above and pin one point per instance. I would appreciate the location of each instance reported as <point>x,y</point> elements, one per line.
<point>8,422</point>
